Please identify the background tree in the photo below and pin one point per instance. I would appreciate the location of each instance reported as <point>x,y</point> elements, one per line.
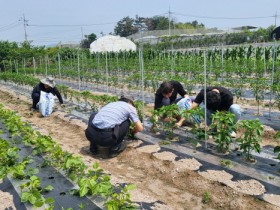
<point>85,43</point>
<point>128,26</point>
<point>158,23</point>
<point>125,27</point>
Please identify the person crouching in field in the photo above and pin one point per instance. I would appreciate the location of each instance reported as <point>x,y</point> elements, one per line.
<point>166,94</point>
<point>46,85</point>
<point>109,126</point>
<point>217,99</point>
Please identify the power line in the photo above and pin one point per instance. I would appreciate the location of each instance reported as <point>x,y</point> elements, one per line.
<point>225,18</point>
<point>80,25</point>
<point>9,26</point>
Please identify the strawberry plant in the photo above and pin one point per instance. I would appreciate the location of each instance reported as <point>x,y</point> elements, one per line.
<point>95,183</point>
<point>251,137</point>
<point>31,192</point>
<point>74,167</point>
<point>43,144</point>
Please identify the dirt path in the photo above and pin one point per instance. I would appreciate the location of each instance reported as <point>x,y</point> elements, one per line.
<point>162,182</point>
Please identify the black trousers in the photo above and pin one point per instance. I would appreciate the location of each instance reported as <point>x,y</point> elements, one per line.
<point>111,137</point>
<point>35,99</point>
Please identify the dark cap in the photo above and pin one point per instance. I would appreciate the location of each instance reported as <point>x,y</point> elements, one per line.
<point>128,97</point>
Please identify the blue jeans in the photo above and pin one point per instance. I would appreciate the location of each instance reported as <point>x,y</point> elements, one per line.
<point>234,109</point>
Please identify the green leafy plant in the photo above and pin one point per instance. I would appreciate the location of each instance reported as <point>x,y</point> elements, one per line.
<point>121,200</point>
<point>94,182</point>
<point>251,137</point>
<point>277,148</point>
<point>31,192</point>
<point>223,122</point>
<point>259,86</point>
<point>18,170</point>
<point>85,94</point>
<point>226,163</point>
<point>74,167</point>
<point>206,197</point>
<point>169,115</point>
<point>276,90</point>
<point>43,144</point>
<point>195,116</point>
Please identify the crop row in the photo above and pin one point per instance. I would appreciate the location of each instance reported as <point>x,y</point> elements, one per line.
<point>89,181</point>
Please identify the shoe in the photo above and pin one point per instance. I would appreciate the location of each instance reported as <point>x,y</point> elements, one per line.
<point>93,151</point>
<point>117,150</point>
<point>32,109</point>
<point>232,134</point>
<point>87,151</point>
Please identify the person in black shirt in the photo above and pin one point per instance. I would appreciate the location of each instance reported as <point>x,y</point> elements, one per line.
<point>47,85</point>
<point>217,99</point>
<point>167,93</point>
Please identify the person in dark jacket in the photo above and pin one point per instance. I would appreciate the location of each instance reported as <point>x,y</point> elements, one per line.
<point>47,85</point>
<point>167,93</point>
<point>217,99</point>
<point>108,127</point>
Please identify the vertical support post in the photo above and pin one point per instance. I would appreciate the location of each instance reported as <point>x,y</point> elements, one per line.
<point>107,74</point>
<point>79,81</point>
<point>272,75</point>
<point>59,66</point>
<point>205,112</point>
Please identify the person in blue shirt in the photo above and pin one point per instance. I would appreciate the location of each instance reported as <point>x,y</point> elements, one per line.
<point>109,126</point>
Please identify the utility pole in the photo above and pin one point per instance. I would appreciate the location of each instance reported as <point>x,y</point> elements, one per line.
<point>169,13</point>
<point>82,33</point>
<point>275,19</point>
<point>24,25</point>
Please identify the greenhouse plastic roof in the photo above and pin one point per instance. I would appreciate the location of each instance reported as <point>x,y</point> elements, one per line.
<point>112,44</point>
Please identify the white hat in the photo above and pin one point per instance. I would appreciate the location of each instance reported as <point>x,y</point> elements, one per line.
<point>48,81</point>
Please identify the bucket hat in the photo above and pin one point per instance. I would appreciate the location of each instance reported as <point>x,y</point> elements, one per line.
<point>128,97</point>
<point>48,81</point>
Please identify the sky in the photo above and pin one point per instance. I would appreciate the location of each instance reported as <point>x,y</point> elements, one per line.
<point>49,22</point>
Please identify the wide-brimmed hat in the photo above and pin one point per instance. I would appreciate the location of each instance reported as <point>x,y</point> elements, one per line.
<point>128,97</point>
<point>48,81</point>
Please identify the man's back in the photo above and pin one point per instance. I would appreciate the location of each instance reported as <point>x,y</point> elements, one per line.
<point>114,114</point>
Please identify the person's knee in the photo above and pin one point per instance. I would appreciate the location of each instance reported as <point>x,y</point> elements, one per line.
<point>235,109</point>
<point>166,101</point>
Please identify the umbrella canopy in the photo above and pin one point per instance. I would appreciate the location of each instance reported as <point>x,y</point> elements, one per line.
<point>111,43</point>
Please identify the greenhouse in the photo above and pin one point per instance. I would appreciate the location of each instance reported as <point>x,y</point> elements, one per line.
<point>111,43</point>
